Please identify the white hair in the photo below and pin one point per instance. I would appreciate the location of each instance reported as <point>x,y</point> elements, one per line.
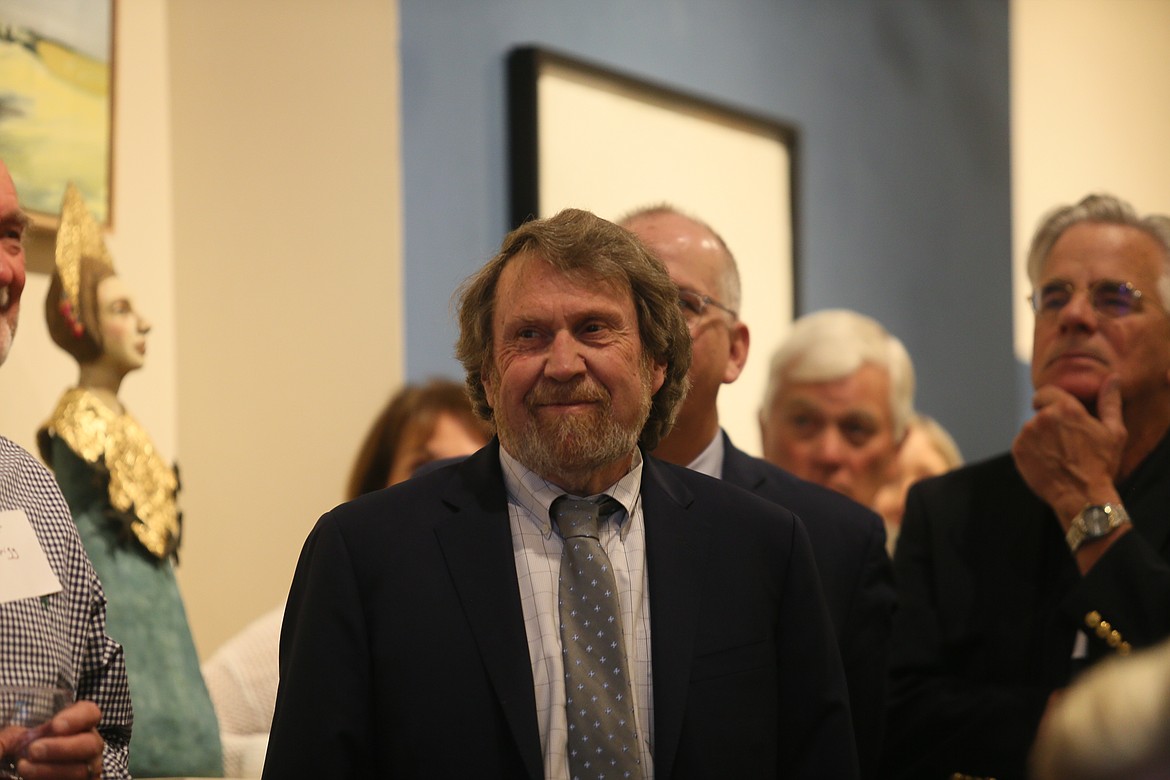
<point>1112,723</point>
<point>832,344</point>
<point>1100,209</point>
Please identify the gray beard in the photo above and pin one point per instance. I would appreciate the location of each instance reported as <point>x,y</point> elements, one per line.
<point>568,449</point>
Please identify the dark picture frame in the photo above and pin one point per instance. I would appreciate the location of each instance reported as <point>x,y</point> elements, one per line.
<point>589,136</point>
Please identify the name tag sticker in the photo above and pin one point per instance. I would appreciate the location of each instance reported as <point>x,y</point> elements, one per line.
<point>24,570</point>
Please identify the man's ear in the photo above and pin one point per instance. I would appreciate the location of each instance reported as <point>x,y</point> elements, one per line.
<point>657,377</point>
<point>738,354</point>
<point>486,378</point>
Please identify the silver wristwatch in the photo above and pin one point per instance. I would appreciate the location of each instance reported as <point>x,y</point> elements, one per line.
<point>1093,522</point>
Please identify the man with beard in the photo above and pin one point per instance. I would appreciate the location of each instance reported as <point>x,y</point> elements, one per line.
<point>432,628</point>
<point>1016,572</point>
<point>52,608</point>
<point>847,539</point>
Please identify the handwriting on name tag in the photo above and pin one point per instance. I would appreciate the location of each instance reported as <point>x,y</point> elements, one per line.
<point>24,568</point>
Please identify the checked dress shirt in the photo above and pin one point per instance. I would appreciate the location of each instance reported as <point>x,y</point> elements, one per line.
<point>40,638</point>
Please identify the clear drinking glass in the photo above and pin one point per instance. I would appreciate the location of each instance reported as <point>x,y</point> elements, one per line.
<point>24,711</point>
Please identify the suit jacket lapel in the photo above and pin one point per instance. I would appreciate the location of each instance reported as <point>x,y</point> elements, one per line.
<point>676,544</point>
<point>476,541</point>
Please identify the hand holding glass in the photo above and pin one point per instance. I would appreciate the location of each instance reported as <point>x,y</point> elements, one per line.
<point>25,712</point>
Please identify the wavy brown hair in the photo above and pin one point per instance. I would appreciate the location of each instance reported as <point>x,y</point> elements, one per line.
<point>584,246</point>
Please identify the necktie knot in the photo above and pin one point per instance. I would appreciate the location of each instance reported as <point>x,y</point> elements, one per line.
<point>580,516</point>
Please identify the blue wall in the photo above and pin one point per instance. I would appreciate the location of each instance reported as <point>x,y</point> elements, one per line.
<point>903,171</point>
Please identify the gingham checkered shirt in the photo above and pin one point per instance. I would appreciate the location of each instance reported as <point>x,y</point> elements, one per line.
<point>65,631</point>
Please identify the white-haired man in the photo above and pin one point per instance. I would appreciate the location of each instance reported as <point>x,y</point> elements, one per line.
<point>840,394</point>
<point>1015,573</point>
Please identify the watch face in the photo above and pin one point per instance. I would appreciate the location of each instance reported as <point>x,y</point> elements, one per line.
<point>1097,521</point>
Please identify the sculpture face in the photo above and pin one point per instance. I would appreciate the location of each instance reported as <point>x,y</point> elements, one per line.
<point>123,330</point>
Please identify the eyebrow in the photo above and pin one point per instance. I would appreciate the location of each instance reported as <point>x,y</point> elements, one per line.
<point>18,218</point>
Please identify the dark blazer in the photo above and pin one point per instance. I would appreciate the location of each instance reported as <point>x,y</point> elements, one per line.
<point>404,654</point>
<point>849,544</point>
<point>990,601</point>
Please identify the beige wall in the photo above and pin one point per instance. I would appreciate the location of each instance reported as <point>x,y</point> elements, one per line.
<point>287,265</point>
<point>257,219</point>
<point>1090,112</point>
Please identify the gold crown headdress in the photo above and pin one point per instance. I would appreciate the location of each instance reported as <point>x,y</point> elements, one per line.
<point>78,236</point>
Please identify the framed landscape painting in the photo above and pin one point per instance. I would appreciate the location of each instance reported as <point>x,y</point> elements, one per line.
<point>56,101</point>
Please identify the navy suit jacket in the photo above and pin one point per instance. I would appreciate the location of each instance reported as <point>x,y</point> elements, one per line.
<point>849,544</point>
<point>404,653</point>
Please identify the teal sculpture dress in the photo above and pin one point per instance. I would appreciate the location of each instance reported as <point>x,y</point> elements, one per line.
<point>123,499</point>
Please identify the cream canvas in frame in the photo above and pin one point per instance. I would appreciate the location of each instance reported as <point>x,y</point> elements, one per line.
<point>588,137</point>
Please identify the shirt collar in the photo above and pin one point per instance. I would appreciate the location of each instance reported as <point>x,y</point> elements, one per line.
<point>535,494</point>
<point>710,460</point>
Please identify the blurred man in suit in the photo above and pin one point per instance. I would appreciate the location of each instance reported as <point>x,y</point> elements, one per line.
<point>847,539</point>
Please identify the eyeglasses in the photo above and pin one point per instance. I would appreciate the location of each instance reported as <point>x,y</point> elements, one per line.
<point>1108,298</point>
<point>694,306</point>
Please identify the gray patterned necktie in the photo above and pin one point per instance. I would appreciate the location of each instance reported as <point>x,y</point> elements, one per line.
<point>600,708</point>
